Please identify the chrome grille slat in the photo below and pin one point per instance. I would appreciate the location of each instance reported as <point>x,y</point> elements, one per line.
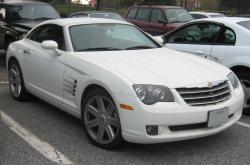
<point>205,95</point>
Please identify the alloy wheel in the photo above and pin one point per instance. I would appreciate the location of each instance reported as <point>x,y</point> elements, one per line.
<point>15,80</point>
<point>101,119</point>
<point>246,87</point>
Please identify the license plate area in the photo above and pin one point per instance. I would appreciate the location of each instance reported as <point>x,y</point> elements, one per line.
<point>217,117</point>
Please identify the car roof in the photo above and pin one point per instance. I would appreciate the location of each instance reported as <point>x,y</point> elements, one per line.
<point>80,21</point>
<point>224,20</point>
<point>160,7</point>
<point>17,2</point>
<point>205,13</point>
<point>93,12</point>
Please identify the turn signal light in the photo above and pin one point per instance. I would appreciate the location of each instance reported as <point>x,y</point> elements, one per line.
<point>126,107</point>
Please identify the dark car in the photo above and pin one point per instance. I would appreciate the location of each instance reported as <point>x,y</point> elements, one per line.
<point>18,17</point>
<point>157,20</point>
<point>97,14</point>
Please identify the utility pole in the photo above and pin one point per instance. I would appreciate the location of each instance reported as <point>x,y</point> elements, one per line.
<point>98,5</point>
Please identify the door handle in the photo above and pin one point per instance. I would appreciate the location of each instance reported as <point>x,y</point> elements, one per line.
<point>199,52</point>
<point>26,52</point>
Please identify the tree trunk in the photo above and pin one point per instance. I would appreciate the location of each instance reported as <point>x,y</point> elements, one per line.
<point>98,5</point>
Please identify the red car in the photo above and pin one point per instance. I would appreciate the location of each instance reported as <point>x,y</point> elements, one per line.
<point>157,20</point>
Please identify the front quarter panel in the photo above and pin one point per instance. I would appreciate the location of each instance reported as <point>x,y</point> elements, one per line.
<point>81,72</point>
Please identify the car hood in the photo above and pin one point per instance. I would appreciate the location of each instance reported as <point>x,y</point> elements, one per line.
<point>160,66</point>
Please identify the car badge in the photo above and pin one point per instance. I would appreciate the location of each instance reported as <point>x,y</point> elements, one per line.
<point>210,84</point>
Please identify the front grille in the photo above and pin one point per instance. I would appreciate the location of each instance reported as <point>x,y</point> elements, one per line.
<point>206,95</point>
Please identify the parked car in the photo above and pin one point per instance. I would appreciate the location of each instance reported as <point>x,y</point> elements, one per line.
<point>200,15</point>
<point>18,17</point>
<point>224,40</point>
<point>97,14</point>
<point>243,15</point>
<point>157,20</point>
<point>128,88</point>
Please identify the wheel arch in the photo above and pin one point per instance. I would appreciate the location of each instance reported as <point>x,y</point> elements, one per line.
<point>240,68</point>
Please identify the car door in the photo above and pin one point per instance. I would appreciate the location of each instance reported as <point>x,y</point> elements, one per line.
<point>43,69</point>
<point>196,38</point>
<point>225,50</point>
<point>158,22</point>
<point>2,27</point>
<point>142,19</point>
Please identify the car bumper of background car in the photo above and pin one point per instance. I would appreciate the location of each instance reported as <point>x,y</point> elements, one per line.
<point>174,121</point>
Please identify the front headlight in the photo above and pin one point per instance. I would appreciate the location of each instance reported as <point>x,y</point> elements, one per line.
<point>233,79</point>
<point>151,94</point>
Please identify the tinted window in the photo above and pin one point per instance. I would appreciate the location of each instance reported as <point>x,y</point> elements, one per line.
<point>177,15</point>
<point>104,37</point>
<point>196,34</point>
<point>48,32</point>
<point>144,14</point>
<point>157,16</point>
<point>228,37</point>
<point>31,12</point>
<point>245,24</point>
<point>79,16</point>
<point>198,16</point>
<point>132,13</point>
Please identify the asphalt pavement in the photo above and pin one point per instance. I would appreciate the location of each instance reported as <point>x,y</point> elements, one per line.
<point>64,133</point>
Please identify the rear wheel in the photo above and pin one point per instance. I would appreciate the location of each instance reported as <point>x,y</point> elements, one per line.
<point>16,83</point>
<point>245,82</point>
<point>101,120</point>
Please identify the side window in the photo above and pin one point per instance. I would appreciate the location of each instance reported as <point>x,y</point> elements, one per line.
<point>203,34</point>
<point>157,16</point>
<point>228,37</point>
<point>198,16</point>
<point>144,14</point>
<point>3,12</point>
<point>132,13</point>
<point>48,32</point>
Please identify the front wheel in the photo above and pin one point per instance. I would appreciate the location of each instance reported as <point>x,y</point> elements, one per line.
<point>100,120</point>
<point>16,83</point>
<point>244,78</point>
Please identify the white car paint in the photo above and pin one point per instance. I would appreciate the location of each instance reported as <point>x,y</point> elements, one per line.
<point>207,14</point>
<point>47,75</point>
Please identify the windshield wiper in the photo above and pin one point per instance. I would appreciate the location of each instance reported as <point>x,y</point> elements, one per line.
<point>99,49</point>
<point>42,18</point>
<point>139,47</point>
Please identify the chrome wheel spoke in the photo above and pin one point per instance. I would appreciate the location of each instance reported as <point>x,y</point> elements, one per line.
<point>92,123</point>
<point>100,103</point>
<point>100,133</point>
<point>246,87</point>
<point>110,132</point>
<point>92,110</point>
<point>114,122</point>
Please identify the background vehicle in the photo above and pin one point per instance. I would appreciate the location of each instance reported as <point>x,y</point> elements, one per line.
<point>18,17</point>
<point>199,15</point>
<point>97,14</point>
<point>224,40</point>
<point>157,20</point>
<point>127,88</point>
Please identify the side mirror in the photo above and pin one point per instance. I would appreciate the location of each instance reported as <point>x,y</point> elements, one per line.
<point>158,39</point>
<point>51,45</point>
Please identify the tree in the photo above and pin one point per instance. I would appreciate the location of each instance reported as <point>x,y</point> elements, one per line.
<point>239,5</point>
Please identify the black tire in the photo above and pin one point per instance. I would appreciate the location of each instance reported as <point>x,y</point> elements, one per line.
<point>90,97</point>
<point>22,95</point>
<point>244,76</point>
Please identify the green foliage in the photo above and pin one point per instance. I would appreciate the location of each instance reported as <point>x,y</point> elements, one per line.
<point>238,4</point>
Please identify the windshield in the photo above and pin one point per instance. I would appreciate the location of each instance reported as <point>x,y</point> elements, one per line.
<point>32,12</point>
<point>108,37</point>
<point>245,24</point>
<point>177,15</point>
<point>108,16</point>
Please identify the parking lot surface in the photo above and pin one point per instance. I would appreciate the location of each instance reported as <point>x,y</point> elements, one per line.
<point>65,134</point>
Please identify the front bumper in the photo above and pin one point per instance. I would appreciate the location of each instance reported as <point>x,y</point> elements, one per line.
<point>166,115</point>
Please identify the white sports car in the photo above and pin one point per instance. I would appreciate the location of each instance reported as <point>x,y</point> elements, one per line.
<point>224,40</point>
<point>121,83</point>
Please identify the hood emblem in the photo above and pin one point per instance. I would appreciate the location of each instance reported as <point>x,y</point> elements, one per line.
<point>210,84</point>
